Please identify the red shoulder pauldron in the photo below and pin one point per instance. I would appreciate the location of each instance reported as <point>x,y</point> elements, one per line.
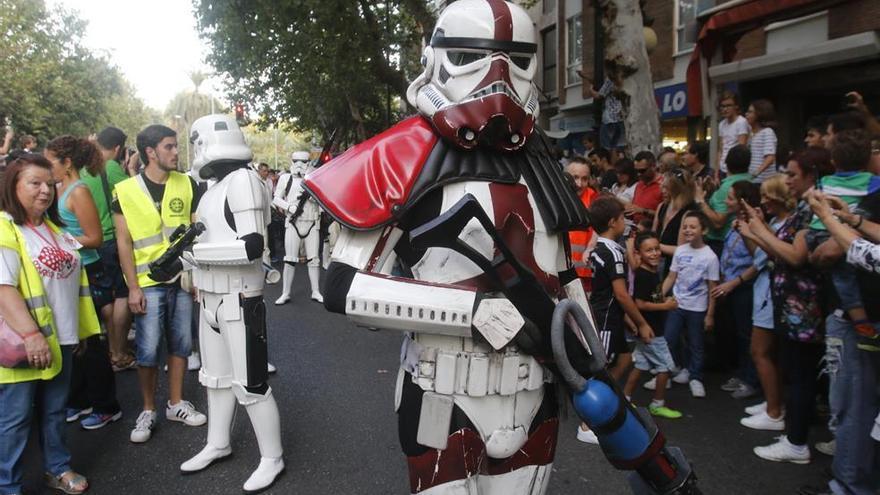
<point>364,187</point>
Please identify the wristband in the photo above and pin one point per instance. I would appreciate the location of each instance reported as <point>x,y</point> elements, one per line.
<point>859,223</point>
<point>25,336</point>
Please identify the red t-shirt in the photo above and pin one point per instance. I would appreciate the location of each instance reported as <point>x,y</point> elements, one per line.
<point>647,196</point>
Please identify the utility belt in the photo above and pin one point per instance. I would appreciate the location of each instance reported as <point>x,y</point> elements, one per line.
<point>473,373</point>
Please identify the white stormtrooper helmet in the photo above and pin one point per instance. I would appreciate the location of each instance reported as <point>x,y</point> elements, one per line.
<point>299,163</point>
<point>477,85</point>
<point>217,141</point>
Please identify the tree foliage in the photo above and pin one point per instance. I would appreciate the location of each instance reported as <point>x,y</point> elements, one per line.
<point>317,64</point>
<point>51,84</point>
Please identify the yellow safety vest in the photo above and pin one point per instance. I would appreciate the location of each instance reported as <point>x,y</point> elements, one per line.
<point>30,285</point>
<point>150,231</point>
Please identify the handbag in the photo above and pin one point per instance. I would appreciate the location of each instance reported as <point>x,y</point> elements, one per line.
<point>12,351</point>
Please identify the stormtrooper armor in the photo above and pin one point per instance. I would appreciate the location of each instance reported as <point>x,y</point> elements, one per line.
<point>302,227</point>
<point>454,231</point>
<point>230,276</point>
<point>403,198</point>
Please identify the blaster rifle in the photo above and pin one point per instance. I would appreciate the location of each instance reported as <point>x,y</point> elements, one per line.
<point>168,266</point>
<point>518,284</point>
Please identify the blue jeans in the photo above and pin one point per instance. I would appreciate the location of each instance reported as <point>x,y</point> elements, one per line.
<point>740,305</point>
<point>855,401</point>
<point>17,414</point>
<point>692,323</point>
<point>169,315</point>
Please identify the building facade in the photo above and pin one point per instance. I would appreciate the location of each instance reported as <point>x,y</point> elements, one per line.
<point>802,55</point>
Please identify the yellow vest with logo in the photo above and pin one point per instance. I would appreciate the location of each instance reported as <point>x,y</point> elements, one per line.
<point>30,285</point>
<point>148,229</point>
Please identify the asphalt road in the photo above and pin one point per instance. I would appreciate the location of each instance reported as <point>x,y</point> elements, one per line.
<point>334,388</point>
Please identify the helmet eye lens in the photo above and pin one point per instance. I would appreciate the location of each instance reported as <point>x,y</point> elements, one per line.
<point>464,58</point>
<point>521,61</point>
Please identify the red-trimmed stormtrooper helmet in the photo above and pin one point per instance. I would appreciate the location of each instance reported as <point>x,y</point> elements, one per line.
<point>477,85</point>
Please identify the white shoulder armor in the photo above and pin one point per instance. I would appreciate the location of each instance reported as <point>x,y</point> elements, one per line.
<point>246,191</point>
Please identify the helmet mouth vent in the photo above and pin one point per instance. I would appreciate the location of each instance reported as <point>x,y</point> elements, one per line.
<point>498,87</point>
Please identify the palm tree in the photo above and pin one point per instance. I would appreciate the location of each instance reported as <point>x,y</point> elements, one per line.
<point>189,105</point>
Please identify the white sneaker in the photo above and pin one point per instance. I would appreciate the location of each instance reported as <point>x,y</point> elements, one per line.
<point>284,299</point>
<point>652,384</point>
<point>205,458</point>
<point>827,448</point>
<point>270,368</point>
<point>316,296</point>
<point>143,427</point>
<point>784,451</point>
<point>763,421</point>
<point>682,377</point>
<point>757,408</point>
<point>697,389</point>
<point>185,413</point>
<point>194,361</point>
<point>265,475</point>
<point>587,436</point>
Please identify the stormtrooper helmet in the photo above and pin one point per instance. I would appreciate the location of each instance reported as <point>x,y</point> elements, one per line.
<point>218,143</point>
<point>299,163</point>
<point>477,84</point>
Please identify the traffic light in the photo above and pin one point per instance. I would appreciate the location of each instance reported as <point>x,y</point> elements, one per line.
<point>239,112</point>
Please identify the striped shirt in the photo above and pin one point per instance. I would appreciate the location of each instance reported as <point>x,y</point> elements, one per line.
<point>851,187</point>
<point>762,144</point>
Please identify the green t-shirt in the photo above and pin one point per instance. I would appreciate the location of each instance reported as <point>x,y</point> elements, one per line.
<point>718,204</point>
<point>115,175</point>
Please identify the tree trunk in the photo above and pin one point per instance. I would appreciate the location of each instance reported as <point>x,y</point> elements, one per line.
<point>627,58</point>
<point>358,119</point>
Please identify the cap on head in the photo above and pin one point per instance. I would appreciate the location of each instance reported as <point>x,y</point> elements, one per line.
<point>477,87</point>
<point>217,140</point>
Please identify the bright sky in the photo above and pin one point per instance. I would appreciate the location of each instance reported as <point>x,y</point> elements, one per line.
<point>154,42</point>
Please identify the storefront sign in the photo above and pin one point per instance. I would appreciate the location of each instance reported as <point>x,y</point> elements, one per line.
<point>672,101</point>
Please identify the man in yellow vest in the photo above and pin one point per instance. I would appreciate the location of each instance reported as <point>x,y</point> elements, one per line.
<point>146,210</point>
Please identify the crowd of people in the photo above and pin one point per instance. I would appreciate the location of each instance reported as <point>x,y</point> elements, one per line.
<point>773,254</point>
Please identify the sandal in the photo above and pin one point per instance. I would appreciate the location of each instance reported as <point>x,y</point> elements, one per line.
<point>126,362</point>
<point>68,482</point>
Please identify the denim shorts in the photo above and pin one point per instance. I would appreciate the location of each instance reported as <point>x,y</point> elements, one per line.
<point>611,135</point>
<point>653,355</point>
<point>111,278</point>
<point>169,315</point>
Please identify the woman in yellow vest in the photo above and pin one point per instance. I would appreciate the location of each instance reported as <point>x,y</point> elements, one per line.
<point>44,296</point>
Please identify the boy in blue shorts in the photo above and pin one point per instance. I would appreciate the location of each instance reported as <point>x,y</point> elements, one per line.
<point>653,353</point>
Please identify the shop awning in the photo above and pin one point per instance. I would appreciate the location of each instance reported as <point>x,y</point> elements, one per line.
<point>723,30</point>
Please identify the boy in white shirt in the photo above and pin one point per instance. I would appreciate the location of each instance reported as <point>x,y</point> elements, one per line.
<point>733,128</point>
<point>693,274</point>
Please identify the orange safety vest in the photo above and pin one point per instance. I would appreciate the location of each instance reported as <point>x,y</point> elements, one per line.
<point>579,239</point>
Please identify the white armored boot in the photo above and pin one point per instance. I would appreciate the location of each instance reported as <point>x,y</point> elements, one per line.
<point>267,427</point>
<point>221,409</point>
<point>314,279</point>
<point>286,283</point>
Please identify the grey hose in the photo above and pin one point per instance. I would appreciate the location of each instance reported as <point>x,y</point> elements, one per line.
<point>557,340</point>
